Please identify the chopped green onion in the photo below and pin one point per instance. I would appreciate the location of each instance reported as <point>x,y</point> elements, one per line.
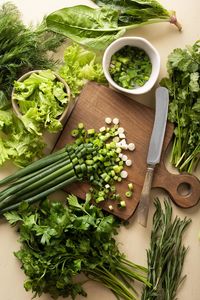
<point>122,203</point>
<point>130,186</point>
<point>129,194</point>
<point>108,120</point>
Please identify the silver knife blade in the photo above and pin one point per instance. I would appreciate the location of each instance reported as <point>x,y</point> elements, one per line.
<point>158,133</point>
<point>154,152</point>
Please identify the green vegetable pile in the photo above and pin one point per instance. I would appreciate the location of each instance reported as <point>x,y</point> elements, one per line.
<point>97,27</point>
<point>59,242</point>
<point>130,67</point>
<point>93,157</point>
<point>166,254</point>
<point>21,48</point>
<point>42,99</point>
<point>183,84</point>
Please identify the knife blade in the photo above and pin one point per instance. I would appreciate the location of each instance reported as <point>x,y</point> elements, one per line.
<point>154,151</point>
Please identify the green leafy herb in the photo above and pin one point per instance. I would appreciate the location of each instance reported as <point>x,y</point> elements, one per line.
<point>184,108</point>
<point>59,242</point>
<point>135,11</point>
<point>90,27</point>
<point>21,48</point>
<point>98,27</point>
<point>166,254</point>
<point>42,99</point>
<point>16,143</point>
<point>130,67</point>
<point>79,66</point>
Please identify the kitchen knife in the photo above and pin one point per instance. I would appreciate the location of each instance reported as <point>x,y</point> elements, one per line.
<point>154,152</point>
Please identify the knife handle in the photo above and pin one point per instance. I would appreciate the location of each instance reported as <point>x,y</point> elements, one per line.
<point>143,207</point>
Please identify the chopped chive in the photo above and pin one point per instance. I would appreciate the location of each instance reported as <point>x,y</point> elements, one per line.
<point>122,204</point>
<point>129,194</point>
<point>130,186</point>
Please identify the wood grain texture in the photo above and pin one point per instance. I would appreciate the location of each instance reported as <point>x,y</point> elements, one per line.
<point>97,102</point>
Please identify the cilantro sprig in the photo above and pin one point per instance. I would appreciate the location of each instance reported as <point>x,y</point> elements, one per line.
<point>59,241</point>
<point>184,108</point>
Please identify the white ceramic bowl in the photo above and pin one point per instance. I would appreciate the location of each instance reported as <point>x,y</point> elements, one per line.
<point>139,43</point>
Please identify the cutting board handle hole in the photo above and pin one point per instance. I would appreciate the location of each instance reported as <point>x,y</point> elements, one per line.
<point>184,189</point>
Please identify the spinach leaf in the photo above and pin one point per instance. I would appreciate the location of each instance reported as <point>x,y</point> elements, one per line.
<point>98,27</point>
<point>85,25</point>
<point>136,11</point>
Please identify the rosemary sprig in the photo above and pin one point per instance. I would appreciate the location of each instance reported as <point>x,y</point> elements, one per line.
<point>166,254</point>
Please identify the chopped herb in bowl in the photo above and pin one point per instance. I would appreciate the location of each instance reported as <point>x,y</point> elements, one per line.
<point>130,67</point>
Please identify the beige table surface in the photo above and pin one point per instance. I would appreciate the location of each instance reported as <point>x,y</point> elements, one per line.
<point>134,238</point>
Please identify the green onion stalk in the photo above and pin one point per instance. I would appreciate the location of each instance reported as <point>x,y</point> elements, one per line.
<point>93,157</point>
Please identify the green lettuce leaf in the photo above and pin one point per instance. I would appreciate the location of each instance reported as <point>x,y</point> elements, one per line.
<point>42,100</point>
<point>5,119</point>
<point>3,152</point>
<point>16,143</point>
<point>4,103</point>
<point>79,66</point>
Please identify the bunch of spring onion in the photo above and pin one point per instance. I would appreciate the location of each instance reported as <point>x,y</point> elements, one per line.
<point>94,157</point>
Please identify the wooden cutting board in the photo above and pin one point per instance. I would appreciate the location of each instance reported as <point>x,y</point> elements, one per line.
<point>97,102</point>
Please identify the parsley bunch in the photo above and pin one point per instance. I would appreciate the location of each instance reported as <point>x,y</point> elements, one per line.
<point>59,242</point>
<point>184,108</point>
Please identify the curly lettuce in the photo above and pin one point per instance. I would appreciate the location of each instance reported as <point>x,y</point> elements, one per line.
<point>79,66</point>
<point>41,99</point>
<point>16,143</point>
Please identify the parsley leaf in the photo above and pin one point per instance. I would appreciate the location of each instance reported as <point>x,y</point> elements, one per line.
<point>13,217</point>
<point>59,242</point>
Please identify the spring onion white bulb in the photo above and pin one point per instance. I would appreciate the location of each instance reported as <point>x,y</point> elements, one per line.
<point>108,120</point>
<point>124,174</point>
<point>115,121</point>
<point>128,162</point>
<point>131,146</point>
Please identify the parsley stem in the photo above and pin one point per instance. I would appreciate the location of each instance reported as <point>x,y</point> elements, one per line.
<point>131,274</point>
<point>112,282</point>
<point>133,265</point>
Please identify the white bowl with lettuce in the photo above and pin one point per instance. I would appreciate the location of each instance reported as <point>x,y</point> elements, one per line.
<point>41,98</point>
